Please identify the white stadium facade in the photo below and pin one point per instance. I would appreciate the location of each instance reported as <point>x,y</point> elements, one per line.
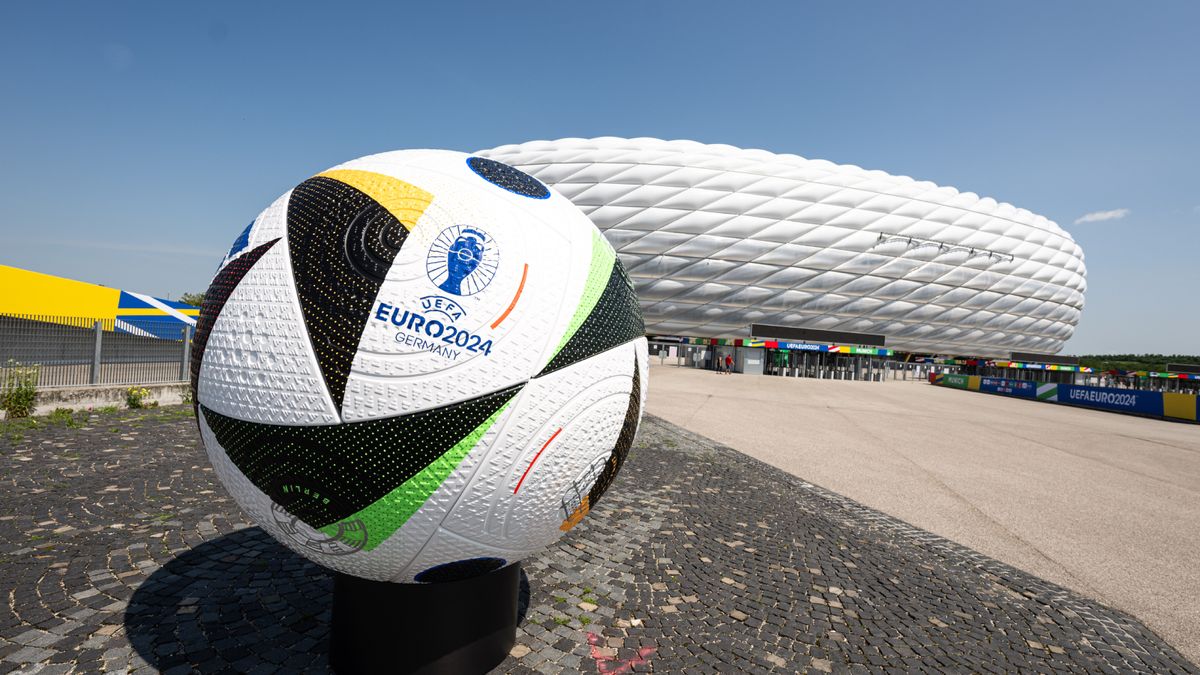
<point>718,238</point>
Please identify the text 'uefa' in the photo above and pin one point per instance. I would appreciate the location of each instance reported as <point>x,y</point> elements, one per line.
<point>433,335</point>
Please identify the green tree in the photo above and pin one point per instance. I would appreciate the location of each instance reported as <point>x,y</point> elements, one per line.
<point>196,299</point>
<point>1150,362</point>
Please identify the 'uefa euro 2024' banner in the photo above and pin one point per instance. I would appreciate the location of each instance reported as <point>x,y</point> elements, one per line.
<point>1121,400</point>
<point>1153,403</point>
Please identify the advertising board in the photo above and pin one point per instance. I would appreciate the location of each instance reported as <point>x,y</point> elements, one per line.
<point>1152,403</point>
<point>801,347</point>
<point>996,385</point>
<point>1104,398</point>
<point>958,381</point>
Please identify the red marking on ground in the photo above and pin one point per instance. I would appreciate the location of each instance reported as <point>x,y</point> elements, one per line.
<point>610,665</point>
<point>512,304</point>
<point>534,460</point>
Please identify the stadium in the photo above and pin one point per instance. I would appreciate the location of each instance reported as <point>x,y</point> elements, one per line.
<point>718,239</point>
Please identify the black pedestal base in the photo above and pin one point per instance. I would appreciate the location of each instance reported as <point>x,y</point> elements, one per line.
<point>466,626</point>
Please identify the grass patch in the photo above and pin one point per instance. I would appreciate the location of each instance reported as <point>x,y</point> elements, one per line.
<point>585,620</point>
<point>561,620</point>
<point>181,412</point>
<point>22,423</point>
<point>63,416</point>
<point>14,428</point>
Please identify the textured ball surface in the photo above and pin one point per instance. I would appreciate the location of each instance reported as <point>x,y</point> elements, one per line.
<point>419,366</point>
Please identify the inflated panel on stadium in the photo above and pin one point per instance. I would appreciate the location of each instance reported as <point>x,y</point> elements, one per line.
<point>716,238</point>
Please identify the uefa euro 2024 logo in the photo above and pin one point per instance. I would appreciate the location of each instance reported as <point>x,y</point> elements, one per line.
<point>462,260</point>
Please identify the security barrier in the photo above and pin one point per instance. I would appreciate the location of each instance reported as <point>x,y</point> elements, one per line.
<point>1138,402</point>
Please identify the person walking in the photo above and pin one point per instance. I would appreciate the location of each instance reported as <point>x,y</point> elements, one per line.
<point>728,363</point>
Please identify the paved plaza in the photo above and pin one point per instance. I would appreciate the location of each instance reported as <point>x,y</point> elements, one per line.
<point>1105,504</point>
<point>120,551</point>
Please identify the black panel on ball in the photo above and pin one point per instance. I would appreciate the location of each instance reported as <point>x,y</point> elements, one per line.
<point>325,473</point>
<point>624,440</point>
<point>615,320</point>
<point>342,243</point>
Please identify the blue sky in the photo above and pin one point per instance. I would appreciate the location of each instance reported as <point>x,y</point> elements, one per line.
<point>138,139</point>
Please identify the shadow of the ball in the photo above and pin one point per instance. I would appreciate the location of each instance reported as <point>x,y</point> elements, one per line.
<point>239,602</point>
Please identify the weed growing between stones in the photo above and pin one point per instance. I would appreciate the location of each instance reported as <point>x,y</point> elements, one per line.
<point>63,416</point>
<point>18,389</point>
<point>14,429</point>
<point>139,397</point>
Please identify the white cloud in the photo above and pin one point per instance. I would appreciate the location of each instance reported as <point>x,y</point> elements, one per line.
<point>1098,216</point>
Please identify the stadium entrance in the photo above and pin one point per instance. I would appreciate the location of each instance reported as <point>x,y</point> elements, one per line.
<point>828,365</point>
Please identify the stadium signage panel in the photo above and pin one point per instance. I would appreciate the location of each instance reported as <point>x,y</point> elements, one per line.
<point>997,385</point>
<point>1151,403</point>
<point>1045,358</point>
<point>1040,366</point>
<point>1174,376</point>
<point>832,349</point>
<point>801,346</point>
<point>792,346</point>
<point>955,381</point>
<point>1123,400</point>
<point>794,333</point>
<point>870,351</point>
<point>1003,364</point>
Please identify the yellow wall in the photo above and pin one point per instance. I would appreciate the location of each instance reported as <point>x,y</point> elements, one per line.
<point>25,292</point>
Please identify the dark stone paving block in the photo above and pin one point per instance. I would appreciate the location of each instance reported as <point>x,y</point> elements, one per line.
<point>123,552</point>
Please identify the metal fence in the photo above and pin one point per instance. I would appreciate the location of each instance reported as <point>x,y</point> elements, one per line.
<point>74,351</point>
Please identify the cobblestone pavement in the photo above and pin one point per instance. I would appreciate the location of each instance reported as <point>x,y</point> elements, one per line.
<point>120,551</point>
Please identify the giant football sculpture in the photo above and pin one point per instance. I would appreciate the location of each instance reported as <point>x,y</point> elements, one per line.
<point>419,366</point>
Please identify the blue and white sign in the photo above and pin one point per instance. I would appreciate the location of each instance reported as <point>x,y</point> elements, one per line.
<point>802,346</point>
<point>996,385</point>
<point>1122,400</point>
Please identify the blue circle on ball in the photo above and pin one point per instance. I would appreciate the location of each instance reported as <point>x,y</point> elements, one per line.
<point>504,176</point>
